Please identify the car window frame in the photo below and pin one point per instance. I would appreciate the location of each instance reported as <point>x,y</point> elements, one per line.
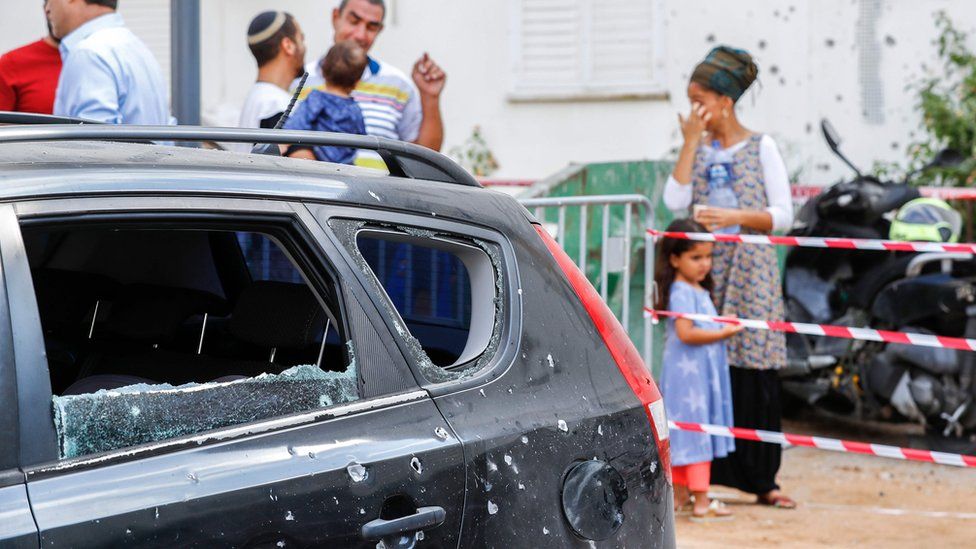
<point>240,211</point>
<point>10,423</point>
<point>507,350</point>
<point>454,247</point>
<point>37,437</point>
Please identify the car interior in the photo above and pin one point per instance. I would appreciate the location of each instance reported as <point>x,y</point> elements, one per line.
<point>141,303</point>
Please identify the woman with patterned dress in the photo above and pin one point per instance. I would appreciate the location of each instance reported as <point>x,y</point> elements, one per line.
<point>735,181</point>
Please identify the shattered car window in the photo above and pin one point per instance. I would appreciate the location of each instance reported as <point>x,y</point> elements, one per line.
<point>444,292</point>
<point>154,332</point>
<point>430,288</point>
<point>138,414</point>
<point>265,259</point>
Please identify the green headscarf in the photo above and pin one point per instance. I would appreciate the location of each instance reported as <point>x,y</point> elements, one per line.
<point>726,70</point>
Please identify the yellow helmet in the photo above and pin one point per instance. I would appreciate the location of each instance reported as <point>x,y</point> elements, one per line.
<point>926,220</point>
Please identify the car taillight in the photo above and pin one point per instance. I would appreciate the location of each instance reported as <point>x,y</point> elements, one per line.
<point>624,353</point>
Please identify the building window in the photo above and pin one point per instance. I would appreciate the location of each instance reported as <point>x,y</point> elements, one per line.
<point>587,49</point>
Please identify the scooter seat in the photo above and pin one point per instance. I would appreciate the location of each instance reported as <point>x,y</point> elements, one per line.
<point>873,281</point>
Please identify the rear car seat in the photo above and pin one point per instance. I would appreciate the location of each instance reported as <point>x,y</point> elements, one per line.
<point>278,316</point>
<point>66,302</point>
<point>274,318</point>
<point>153,315</point>
<point>140,334</point>
<point>92,384</point>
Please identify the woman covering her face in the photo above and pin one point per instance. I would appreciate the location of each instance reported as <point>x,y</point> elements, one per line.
<point>734,180</point>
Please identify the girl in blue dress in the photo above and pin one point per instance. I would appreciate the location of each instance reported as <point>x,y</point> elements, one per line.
<point>695,377</point>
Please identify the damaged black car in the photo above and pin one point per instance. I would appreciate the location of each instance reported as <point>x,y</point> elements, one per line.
<point>202,348</point>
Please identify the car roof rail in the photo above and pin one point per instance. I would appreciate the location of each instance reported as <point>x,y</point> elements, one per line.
<point>33,118</point>
<point>402,159</point>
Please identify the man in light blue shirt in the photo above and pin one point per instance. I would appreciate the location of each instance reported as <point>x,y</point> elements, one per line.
<point>109,75</point>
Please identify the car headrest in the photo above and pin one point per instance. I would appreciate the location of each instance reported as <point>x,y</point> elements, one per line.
<point>154,314</point>
<point>278,315</point>
<point>66,297</point>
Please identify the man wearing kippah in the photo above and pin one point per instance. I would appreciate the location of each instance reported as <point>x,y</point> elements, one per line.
<point>278,45</point>
<point>109,75</point>
<point>394,106</point>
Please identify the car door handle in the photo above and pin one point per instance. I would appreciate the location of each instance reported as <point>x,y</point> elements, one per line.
<point>425,517</point>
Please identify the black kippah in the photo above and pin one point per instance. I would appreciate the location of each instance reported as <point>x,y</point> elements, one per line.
<point>264,26</point>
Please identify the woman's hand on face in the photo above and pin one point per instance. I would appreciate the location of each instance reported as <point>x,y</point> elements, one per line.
<point>717,218</point>
<point>693,126</point>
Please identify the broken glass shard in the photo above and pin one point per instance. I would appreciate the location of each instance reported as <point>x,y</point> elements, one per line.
<point>105,420</point>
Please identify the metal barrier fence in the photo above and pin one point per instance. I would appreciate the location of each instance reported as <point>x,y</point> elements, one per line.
<point>616,250</point>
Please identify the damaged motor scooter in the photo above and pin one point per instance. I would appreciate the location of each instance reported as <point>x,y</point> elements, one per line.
<point>925,293</point>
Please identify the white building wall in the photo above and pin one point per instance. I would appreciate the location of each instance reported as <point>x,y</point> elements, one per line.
<point>802,77</point>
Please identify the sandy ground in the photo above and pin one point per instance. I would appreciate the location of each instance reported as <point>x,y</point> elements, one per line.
<point>848,500</point>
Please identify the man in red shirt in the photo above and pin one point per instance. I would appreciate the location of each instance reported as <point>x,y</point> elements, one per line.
<point>29,76</point>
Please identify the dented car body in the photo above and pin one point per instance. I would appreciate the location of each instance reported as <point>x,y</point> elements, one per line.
<point>200,348</point>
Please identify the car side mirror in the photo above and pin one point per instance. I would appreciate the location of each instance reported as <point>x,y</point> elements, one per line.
<point>947,158</point>
<point>833,141</point>
<point>830,135</point>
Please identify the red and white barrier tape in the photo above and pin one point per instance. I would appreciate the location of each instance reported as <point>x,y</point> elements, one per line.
<point>486,182</point>
<point>948,193</point>
<point>835,445</point>
<point>799,192</point>
<point>821,242</point>
<point>846,332</point>
<point>803,192</point>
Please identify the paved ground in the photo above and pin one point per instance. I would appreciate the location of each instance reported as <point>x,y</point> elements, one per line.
<point>849,500</point>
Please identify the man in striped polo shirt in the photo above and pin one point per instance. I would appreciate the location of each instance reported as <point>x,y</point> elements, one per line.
<point>394,106</point>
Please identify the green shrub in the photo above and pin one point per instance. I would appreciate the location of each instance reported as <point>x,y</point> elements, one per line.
<point>948,107</point>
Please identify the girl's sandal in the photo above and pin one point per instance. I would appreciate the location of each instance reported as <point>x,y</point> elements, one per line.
<point>685,509</point>
<point>778,501</point>
<point>716,512</point>
<point>684,502</point>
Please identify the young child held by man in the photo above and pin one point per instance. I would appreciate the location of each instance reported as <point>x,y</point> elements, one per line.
<point>332,109</point>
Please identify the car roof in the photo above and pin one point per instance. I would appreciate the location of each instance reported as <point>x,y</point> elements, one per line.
<point>80,169</point>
